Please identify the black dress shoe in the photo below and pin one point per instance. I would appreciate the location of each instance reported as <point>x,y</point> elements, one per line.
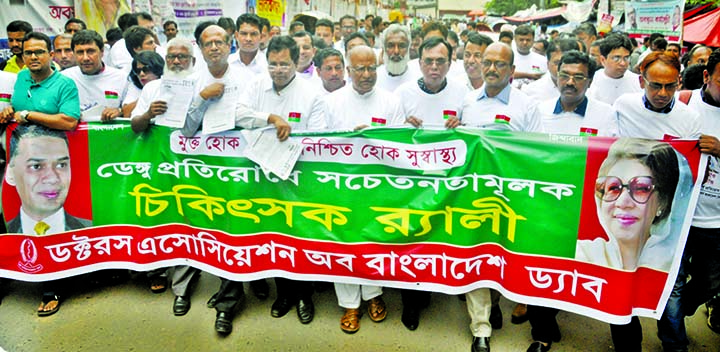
<point>305,310</point>
<point>281,307</point>
<point>410,318</point>
<point>223,323</point>
<point>212,301</point>
<point>481,344</point>
<point>537,346</point>
<point>496,319</point>
<point>260,288</point>
<point>181,305</point>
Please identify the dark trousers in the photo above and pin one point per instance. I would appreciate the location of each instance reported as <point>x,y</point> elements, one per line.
<point>414,300</point>
<point>229,295</point>
<point>627,337</point>
<point>543,323</point>
<point>293,289</point>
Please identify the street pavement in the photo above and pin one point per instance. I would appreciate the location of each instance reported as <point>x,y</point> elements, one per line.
<point>128,317</point>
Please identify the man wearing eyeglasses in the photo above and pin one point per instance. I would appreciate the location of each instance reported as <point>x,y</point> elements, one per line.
<point>42,95</point>
<point>698,278</point>
<point>358,106</point>
<point>396,57</point>
<point>572,113</point>
<point>348,25</point>
<point>213,82</point>
<point>653,114</point>
<point>101,88</point>
<point>497,105</point>
<point>614,79</point>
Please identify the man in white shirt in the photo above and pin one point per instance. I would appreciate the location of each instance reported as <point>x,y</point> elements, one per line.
<point>614,80</point>
<point>433,99</point>
<point>283,93</point>
<point>101,88</point>
<point>300,102</point>
<point>211,85</point>
<point>653,114</point>
<point>495,106</point>
<point>395,71</point>
<point>137,39</point>
<point>119,55</point>
<point>305,67</point>
<point>248,59</point>
<point>498,105</point>
<point>330,67</point>
<point>325,30</point>
<point>703,244</point>
<point>358,106</point>
<point>472,57</point>
<point>546,86</point>
<point>348,25</point>
<point>575,114</point>
<point>529,65</point>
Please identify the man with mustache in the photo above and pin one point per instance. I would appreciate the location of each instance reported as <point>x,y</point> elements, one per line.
<point>472,57</point>
<point>212,83</point>
<point>63,54</point>
<point>16,31</point>
<point>572,113</point>
<point>396,56</point>
<point>546,87</point>
<point>248,59</point>
<point>98,84</point>
<point>652,114</point>
<point>330,67</point>
<point>496,105</point>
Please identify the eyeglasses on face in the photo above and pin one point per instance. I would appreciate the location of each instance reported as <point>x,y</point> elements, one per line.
<point>609,188</point>
<point>564,76</point>
<point>500,65</point>
<point>659,86</point>
<point>37,53</point>
<point>430,62</point>
<point>363,69</point>
<point>145,69</point>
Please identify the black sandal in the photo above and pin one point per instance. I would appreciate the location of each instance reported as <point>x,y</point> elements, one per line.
<point>47,298</point>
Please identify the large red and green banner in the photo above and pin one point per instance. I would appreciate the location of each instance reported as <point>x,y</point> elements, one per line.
<point>441,210</point>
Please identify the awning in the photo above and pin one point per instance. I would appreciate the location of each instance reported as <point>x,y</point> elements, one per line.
<point>540,15</point>
<point>704,29</point>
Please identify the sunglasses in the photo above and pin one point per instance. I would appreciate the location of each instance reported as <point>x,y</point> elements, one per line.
<point>609,188</point>
<point>145,69</point>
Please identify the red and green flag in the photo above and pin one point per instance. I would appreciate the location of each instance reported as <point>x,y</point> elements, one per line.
<point>503,119</point>
<point>4,97</point>
<point>378,121</point>
<point>449,113</point>
<point>294,117</point>
<point>111,95</point>
<point>587,131</point>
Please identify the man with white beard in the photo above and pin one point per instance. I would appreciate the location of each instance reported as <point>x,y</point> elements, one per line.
<point>396,71</point>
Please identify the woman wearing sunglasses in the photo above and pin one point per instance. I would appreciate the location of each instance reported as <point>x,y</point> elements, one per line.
<point>147,66</point>
<point>634,193</point>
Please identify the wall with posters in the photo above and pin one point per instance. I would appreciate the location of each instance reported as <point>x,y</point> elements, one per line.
<point>644,18</point>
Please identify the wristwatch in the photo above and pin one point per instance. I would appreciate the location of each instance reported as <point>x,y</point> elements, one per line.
<point>23,116</point>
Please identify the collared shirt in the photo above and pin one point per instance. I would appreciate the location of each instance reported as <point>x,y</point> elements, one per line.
<point>348,109</point>
<point>580,109</point>
<point>299,102</point>
<point>391,83</point>
<point>432,108</point>
<point>11,65</point>
<point>664,110</point>
<point>56,94</point>
<point>56,221</point>
<point>589,118</point>
<point>511,110</point>
<point>257,67</point>
<point>542,89</point>
<point>307,73</point>
<point>608,89</point>
<point>635,120</point>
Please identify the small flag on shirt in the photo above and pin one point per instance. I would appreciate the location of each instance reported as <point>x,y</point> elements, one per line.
<point>110,94</point>
<point>449,113</point>
<point>587,131</point>
<point>294,117</point>
<point>5,97</point>
<point>377,121</point>
<point>502,119</point>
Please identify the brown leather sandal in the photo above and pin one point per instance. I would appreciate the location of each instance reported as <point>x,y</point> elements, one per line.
<point>376,309</point>
<point>350,321</point>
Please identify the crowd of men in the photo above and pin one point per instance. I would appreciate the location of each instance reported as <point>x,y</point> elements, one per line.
<point>340,77</point>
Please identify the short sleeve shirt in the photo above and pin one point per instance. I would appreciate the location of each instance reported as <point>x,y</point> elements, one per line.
<point>56,94</point>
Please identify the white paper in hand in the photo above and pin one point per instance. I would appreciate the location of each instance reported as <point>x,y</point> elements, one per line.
<point>266,150</point>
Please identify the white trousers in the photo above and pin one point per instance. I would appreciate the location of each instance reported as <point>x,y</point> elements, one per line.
<point>350,295</point>
<point>479,304</point>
